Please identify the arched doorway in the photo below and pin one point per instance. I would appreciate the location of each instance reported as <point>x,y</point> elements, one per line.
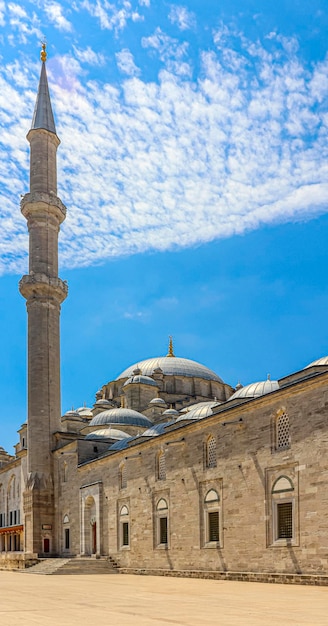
<point>90,526</point>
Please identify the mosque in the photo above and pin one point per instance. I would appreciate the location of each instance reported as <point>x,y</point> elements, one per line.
<point>172,470</point>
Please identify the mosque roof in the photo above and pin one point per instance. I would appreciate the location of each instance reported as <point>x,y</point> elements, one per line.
<point>122,416</point>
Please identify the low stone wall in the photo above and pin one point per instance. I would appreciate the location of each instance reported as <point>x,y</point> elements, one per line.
<point>255,577</point>
<point>16,561</point>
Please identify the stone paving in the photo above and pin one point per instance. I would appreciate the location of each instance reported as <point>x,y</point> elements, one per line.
<point>127,600</point>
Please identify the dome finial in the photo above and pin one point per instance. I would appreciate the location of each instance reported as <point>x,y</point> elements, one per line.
<point>43,53</point>
<point>170,352</point>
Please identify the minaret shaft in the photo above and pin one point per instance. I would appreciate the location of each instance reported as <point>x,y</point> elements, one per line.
<point>44,292</point>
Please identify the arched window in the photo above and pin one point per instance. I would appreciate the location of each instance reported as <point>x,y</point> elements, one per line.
<point>65,472</point>
<point>122,476</point>
<point>212,517</point>
<point>124,527</point>
<point>283,508</point>
<point>161,466</point>
<point>282,431</point>
<point>211,451</point>
<point>162,515</point>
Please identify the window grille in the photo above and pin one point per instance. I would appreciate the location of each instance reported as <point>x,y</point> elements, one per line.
<point>163,530</point>
<point>211,452</point>
<point>213,526</point>
<point>161,466</point>
<point>125,533</point>
<point>123,477</point>
<point>285,520</point>
<point>282,432</point>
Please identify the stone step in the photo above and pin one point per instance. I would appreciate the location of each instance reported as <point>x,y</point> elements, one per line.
<point>74,565</point>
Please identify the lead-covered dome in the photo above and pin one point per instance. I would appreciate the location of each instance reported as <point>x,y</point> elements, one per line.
<point>122,416</point>
<point>171,366</point>
<point>255,390</point>
<point>322,361</point>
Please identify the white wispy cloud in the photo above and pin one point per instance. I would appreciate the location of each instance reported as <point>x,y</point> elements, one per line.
<point>172,163</point>
<point>54,12</point>
<point>89,56</point>
<point>181,16</point>
<point>112,16</point>
<point>126,64</point>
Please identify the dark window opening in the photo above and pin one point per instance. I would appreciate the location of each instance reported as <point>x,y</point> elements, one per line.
<point>285,520</point>
<point>66,538</point>
<point>163,530</point>
<point>125,533</point>
<point>213,526</point>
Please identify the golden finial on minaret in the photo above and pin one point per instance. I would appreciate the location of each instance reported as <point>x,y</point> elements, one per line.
<point>43,53</point>
<point>170,352</point>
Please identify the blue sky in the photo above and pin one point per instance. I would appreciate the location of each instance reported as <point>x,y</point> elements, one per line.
<point>193,164</point>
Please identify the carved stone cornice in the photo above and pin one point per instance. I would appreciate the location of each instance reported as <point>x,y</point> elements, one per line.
<point>41,202</point>
<point>40,286</point>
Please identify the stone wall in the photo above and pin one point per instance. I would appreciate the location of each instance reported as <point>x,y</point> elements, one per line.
<point>247,468</point>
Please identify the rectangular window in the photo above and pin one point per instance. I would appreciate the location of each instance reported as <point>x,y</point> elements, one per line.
<point>163,530</point>
<point>285,520</point>
<point>125,533</point>
<point>66,538</point>
<point>10,518</point>
<point>213,526</point>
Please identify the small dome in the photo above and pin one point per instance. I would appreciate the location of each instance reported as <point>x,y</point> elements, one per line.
<point>122,416</point>
<point>255,390</point>
<point>84,411</point>
<point>103,402</point>
<point>140,380</point>
<point>170,412</point>
<point>198,411</point>
<point>157,429</point>
<point>158,402</point>
<point>322,361</point>
<point>72,413</point>
<point>122,444</point>
<point>107,433</point>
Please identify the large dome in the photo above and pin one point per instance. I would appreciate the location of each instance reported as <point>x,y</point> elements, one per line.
<point>171,366</point>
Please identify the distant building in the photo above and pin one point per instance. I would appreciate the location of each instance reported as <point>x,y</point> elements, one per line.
<point>172,468</point>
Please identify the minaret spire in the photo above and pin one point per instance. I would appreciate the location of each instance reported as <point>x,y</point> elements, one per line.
<point>44,292</point>
<point>43,115</point>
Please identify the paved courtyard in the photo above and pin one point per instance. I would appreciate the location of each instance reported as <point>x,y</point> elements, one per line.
<point>125,600</point>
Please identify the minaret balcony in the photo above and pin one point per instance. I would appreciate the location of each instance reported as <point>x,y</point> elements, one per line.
<point>39,203</point>
<point>43,287</point>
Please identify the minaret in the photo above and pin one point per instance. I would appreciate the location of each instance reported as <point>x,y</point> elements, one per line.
<point>44,293</point>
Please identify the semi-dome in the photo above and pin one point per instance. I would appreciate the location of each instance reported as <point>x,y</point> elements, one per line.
<point>139,379</point>
<point>172,366</point>
<point>322,361</point>
<point>255,390</point>
<point>107,433</point>
<point>122,416</point>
